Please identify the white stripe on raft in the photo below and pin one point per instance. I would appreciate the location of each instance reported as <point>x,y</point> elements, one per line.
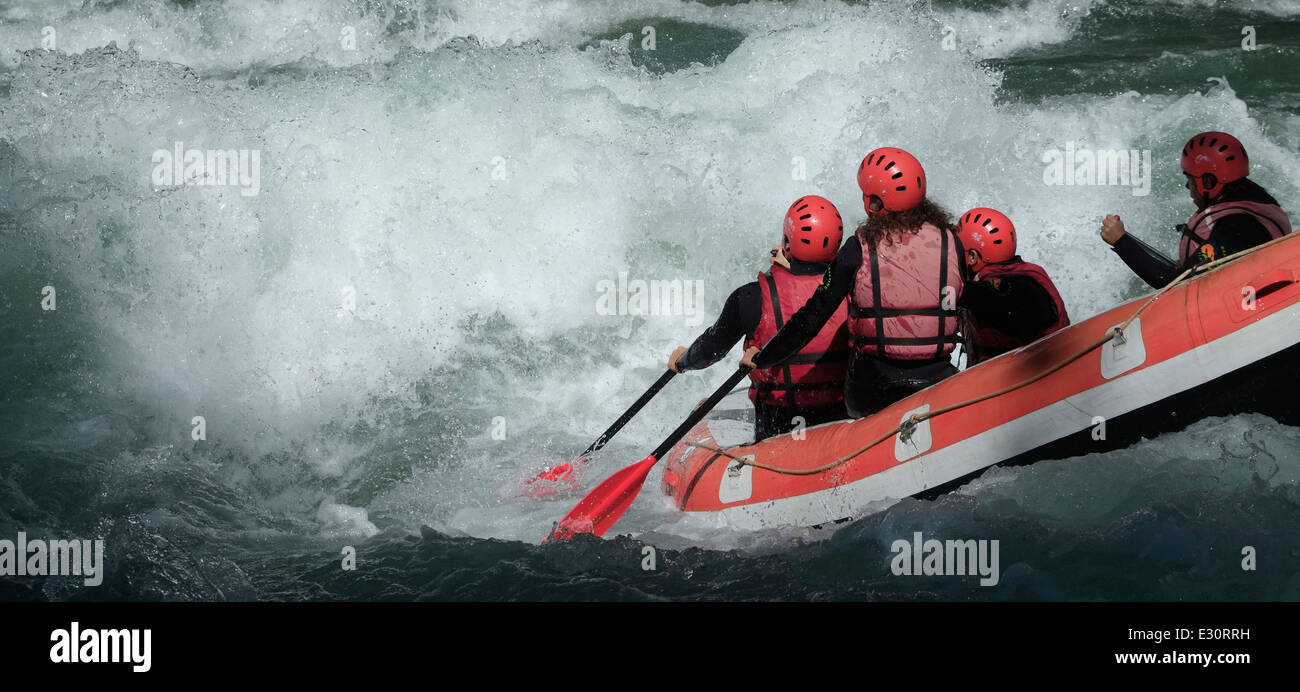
<point>1112,399</point>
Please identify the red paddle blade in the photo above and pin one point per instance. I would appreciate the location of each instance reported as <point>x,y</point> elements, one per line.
<point>556,473</point>
<point>605,504</point>
<point>556,478</point>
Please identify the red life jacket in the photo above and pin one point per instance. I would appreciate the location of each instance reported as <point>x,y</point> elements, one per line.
<point>815,375</point>
<point>896,309</point>
<point>1197,233</point>
<point>983,341</point>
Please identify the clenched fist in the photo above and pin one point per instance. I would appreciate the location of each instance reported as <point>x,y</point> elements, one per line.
<point>1112,229</point>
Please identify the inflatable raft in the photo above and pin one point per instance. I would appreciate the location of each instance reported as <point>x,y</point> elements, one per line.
<point>1226,340</point>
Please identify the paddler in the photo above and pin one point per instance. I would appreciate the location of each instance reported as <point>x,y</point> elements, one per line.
<point>1232,213</point>
<point>901,272</point>
<point>809,388</point>
<point>1007,302</point>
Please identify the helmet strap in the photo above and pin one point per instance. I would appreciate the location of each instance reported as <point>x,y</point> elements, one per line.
<point>1208,182</point>
<point>779,257</point>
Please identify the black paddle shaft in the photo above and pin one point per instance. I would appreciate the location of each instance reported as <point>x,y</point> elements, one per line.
<point>628,414</point>
<point>700,412</point>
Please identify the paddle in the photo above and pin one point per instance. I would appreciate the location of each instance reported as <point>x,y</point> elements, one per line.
<point>603,506</point>
<point>562,472</point>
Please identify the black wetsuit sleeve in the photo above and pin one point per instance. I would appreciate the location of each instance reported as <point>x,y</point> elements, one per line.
<point>1017,305</point>
<point>1145,261</point>
<point>739,318</point>
<point>803,325</point>
<point>1232,234</point>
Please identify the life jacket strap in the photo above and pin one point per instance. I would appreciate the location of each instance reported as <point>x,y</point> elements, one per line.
<point>773,387</point>
<point>856,311</point>
<point>780,322</point>
<point>875,297</point>
<point>943,276</point>
<point>867,342</point>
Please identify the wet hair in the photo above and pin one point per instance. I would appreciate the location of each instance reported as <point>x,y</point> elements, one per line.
<point>1244,189</point>
<point>888,226</point>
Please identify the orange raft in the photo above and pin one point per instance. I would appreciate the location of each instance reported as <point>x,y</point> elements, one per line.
<point>1225,341</point>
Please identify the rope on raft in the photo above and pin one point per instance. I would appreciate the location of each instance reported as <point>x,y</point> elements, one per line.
<point>905,429</point>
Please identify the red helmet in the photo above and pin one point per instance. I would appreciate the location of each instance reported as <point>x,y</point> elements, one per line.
<point>1214,159</point>
<point>813,230</point>
<point>991,233</point>
<point>894,176</point>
